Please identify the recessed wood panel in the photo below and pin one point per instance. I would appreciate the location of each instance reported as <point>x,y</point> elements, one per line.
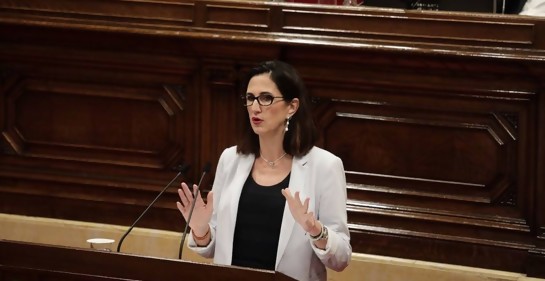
<point>61,120</point>
<point>418,150</point>
<point>249,18</point>
<point>143,11</point>
<point>456,153</point>
<point>343,23</point>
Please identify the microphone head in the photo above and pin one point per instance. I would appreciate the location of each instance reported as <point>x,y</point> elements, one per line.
<point>182,168</point>
<point>206,168</point>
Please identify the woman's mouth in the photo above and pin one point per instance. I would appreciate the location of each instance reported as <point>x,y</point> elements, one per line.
<point>256,121</point>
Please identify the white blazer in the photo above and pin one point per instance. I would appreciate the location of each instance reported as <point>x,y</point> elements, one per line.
<point>534,8</point>
<point>318,175</point>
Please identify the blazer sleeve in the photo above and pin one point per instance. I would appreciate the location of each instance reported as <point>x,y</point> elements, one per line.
<point>331,212</point>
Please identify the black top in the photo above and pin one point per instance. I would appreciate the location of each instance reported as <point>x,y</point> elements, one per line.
<point>257,230</point>
<point>513,6</point>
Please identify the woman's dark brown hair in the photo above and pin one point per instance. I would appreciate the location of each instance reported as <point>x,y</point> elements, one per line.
<point>302,133</point>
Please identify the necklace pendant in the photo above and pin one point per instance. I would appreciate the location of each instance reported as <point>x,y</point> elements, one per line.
<point>272,164</point>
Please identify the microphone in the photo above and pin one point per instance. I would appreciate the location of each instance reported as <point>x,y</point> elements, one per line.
<point>205,170</point>
<point>182,169</point>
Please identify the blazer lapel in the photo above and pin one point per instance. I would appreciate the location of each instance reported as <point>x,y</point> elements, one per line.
<point>297,182</point>
<point>243,169</point>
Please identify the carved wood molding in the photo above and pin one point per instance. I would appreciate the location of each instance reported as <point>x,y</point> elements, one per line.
<point>296,24</point>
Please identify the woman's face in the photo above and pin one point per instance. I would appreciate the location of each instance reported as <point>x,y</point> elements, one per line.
<point>268,119</point>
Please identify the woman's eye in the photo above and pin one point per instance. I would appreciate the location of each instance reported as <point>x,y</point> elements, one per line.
<point>265,98</point>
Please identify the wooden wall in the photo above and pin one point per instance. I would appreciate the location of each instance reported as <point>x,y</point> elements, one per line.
<point>438,117</point>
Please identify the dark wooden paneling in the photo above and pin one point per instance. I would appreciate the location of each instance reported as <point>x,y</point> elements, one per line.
<point>438,117</point>
<point>433,152</point>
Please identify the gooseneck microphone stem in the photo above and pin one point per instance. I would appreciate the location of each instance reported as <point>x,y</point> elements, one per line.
<point>206,169</point>
<point>182,170</point>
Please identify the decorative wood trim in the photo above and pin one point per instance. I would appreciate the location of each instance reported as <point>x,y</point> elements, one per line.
<point>417,31</point>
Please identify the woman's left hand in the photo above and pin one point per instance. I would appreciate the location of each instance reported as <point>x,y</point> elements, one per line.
<point>299,211</point>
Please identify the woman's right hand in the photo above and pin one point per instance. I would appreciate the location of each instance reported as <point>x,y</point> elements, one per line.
<point>201,214</point>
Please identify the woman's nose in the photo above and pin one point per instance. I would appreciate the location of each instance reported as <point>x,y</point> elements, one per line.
<point>255,106</point>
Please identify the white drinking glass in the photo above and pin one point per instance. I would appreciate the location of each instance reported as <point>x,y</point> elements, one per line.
<point>101,244</point>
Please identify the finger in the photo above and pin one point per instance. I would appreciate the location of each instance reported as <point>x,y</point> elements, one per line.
<point>286,192</point>
<point>298,199</point>
<point>181,209</point>
<point>292,202</point>
<point>194,194</point>
<point>311,221</point>
<point>184,187</point>
<point>187,193</point>
<point>183,199</point>
<point>289,198</point>
<point>305,205</point>
<point>197,192</point>
<point>210,200</point>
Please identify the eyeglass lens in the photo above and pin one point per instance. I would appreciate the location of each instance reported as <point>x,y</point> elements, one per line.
<point>263,99</point>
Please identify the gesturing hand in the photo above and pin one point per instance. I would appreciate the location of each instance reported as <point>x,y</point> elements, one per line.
<point>201,214</point>
<point>300,212</point>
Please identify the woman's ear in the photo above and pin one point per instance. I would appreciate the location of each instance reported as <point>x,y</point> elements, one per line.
<point>294,105</point>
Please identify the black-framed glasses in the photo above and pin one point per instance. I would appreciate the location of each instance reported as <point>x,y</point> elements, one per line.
<point>263,99</point>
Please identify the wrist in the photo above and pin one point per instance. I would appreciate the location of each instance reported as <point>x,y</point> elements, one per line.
<point>316,230</point>
<point>322,235</point>
<point>201,231</point>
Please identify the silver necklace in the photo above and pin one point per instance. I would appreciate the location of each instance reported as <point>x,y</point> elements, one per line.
<point>272,164</point>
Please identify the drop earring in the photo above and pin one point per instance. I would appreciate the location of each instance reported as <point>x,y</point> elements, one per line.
<point>287,123</point>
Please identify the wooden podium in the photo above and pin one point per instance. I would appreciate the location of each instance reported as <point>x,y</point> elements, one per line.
<point>27,261</point>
